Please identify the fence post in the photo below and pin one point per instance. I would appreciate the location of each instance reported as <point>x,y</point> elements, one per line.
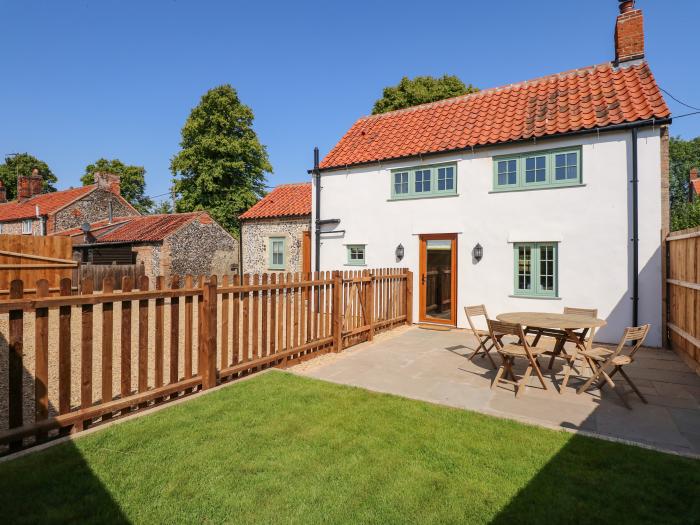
<point>208,325</point>
<point>369,304</point>
<point>16,351</point>
<point>337,316</point>
<point>409,297</point>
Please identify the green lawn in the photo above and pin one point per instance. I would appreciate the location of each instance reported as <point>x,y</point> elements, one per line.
<point>284,449</point>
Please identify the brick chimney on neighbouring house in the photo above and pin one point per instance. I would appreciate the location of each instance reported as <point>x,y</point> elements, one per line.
<point>108,181</point>
<point>35,183</point>
<point>3,193</point>
<point>694,190</point>
<point>629,33</point>
<point>23,190</point>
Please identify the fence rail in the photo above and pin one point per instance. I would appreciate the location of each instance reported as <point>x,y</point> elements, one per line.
<point>78,360</point>
<point>683,294</point>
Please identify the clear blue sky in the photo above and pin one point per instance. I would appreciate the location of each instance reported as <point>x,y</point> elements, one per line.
<point>85,79</point>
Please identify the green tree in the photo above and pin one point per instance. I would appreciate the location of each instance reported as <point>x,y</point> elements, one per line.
<point>420,90</point>
<point>221,165</point>
<point>23,164</point>
<point>684,155</point>
<point>161,207</point>
<point>132,180</point>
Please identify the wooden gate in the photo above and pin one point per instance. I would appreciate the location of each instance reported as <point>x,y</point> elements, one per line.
<point>31,259</point>
<point>683,295</point>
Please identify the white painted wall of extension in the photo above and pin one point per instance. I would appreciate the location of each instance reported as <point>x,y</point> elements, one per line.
<point>592,224</point>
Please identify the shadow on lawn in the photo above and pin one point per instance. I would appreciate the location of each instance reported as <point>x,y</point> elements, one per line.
<point>73,493</point>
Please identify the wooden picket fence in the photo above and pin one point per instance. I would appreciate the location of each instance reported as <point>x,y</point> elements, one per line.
<point>683,295</point>
<point>146,345</point>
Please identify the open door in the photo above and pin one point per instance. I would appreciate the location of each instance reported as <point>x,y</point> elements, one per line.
<point>438,278</point>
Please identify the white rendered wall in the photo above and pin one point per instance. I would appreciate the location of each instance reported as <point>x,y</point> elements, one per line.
<point>591,223</point>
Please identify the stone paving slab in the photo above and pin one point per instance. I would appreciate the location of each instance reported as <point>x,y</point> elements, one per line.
<point>433,366</point>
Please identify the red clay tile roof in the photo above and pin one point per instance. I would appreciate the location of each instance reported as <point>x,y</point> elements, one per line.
<point>284,201</point>
<point>587,98</point>
<point>48,203</point>
<point>143,228</point>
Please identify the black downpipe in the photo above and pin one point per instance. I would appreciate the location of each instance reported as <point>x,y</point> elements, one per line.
<point>635,231</point>
<point>317,229</point>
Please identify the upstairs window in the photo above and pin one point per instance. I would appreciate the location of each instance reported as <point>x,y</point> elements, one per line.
<point>425,181</point>
<point>541,169</point>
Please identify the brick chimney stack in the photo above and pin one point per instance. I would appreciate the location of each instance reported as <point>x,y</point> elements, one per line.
<point>108,181</point>
<point>629,33</point>
<point>23,191</point>
<point>694,192</point>
<point>3,193</point>
<point>35,183</point>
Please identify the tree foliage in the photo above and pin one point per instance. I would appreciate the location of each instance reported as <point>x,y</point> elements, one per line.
<point>420,90</point>
<point>161,208</point>
<point>23,164</point>
<point>221,165</point>
<point>132,180</point>
<point>684,155</point>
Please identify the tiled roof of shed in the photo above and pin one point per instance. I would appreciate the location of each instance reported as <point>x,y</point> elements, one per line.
<point>285,200</point>
<point>143,228</point>
<point>589,98</point>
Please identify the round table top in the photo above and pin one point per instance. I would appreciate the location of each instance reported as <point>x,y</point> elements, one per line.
<point>552,321</point>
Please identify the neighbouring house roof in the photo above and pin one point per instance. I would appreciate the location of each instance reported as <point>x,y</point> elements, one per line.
<point>48,203</point>
<point>286,200</point>
<point>141,228</point>
<point>588,98</point>
<point>696,186</point>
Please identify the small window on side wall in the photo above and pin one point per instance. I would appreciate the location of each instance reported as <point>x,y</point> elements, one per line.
<point>356,254</point>
<point>27,226</point>
<point>277,253</point>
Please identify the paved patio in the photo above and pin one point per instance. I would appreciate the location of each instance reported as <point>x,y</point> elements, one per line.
<point>432,366</point>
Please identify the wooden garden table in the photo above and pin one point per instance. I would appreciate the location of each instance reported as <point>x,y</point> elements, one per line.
<point>562,327</point>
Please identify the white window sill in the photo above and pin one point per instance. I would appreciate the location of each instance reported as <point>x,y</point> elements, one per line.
<point>416,197</point>
<point>539,188</point>
<point>539,297</point>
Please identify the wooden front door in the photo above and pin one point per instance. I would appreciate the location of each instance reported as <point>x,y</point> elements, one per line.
<point>438,278</point>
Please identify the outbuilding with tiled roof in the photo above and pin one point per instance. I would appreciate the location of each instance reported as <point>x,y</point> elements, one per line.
<point>275,232</point>
<point>165,244</point>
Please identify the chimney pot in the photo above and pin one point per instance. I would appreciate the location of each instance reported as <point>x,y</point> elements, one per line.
<point>108,181</point>
<point>626,6</point>
<point>35,183</point>
<point>3,193</point>
<point>694,174</point>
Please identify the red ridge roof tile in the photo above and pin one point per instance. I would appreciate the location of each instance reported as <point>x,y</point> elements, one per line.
<point>586,98</point>
<point>284,201</point>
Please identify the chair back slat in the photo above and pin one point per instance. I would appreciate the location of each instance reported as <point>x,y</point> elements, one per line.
<point>475,311</point>
<point>589,312</point>
<point>499,328</point>
<point>636,334</point>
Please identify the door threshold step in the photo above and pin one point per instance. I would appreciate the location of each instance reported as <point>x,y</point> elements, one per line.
<point>436,327</point>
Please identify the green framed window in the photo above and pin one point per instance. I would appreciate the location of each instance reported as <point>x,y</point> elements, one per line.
<point>424,181</point>
<point>356,254</point>
<point>552,168</point>
<point>278,253</point>
<point>536,269</point>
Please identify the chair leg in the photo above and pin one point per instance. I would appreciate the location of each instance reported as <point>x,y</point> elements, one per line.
<point>555,352</point>
<point>634,387</point>
<point>493,363</point>
<point>522,384</point>
<point>498,376</point>
<point>596,373</point>
<point>538,372</point>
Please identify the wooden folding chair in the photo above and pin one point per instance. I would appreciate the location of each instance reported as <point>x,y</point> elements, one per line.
<point>482,336</point>
<point>581,338</point>
<point>603,359</point>
<point>512,351</point>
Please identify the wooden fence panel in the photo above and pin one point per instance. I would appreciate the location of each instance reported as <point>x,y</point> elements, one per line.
<point>30,259</point>
<point>683,295</point>
<point>269,321</point>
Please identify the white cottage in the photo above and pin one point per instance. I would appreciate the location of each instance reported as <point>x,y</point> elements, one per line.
<point>533,196</point>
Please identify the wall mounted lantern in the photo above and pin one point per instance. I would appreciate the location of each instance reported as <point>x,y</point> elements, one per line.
<point>399,252</point>
<point>478,252</point>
